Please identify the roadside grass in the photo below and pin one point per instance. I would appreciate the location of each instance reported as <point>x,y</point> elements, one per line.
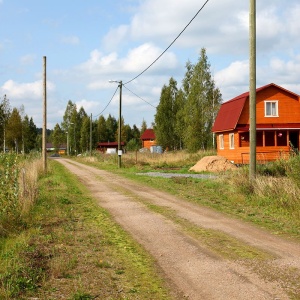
<point>271,201</point>
<point>70,248</point>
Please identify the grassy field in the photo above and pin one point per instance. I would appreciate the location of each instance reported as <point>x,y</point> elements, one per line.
<point>69,248</point>
<point>271,200</point>
<point>59,244</point>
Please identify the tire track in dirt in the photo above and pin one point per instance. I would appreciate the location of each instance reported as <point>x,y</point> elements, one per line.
<point>195,272</point>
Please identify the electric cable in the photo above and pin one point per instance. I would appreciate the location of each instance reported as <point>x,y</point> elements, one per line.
<point>169,45</point>
<point>138,96</point>
<point>107,103</point>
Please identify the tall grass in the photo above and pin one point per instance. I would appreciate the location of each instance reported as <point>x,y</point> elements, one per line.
<point>145,160</point>
<point>18,189</point>
<point>273,197</point>
<point>275,190</point>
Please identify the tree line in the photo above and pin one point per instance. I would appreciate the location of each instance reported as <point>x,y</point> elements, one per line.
<point>17,131</point>
<point>183,119</point>
<point>80,130</point>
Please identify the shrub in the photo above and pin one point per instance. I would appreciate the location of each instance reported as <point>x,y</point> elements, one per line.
<point>293,169</point>
<point>9,192</point>
<point>18,189</point>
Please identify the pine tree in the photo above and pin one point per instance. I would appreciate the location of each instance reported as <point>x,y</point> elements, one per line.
<point>57,137</point>
<point>29,134</point>
<point>101,130</point>
<point>111,127</point>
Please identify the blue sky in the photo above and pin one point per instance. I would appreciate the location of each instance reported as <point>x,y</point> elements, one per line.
<point>87,43</point>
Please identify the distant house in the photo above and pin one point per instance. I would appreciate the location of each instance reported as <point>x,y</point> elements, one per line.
<point>109,147</point>
<point>277,125</point>
<point>148,138</point>
<point>61,149</point>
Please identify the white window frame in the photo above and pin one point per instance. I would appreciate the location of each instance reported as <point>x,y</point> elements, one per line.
<point>221,141</point>
<point>231,140</point>
<point>274,110</point>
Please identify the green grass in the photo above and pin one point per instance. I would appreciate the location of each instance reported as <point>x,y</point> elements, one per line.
<point>71,248</point>
<point>273,202</point>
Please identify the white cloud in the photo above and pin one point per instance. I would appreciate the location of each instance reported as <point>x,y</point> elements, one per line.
<point>141,57</point>
<point>235,74</point>
<point>24,91</point>
<point>98,63</point>
<point>86,104</point>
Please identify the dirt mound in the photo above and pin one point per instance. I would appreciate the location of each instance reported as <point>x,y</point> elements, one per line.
<point>213,164</point>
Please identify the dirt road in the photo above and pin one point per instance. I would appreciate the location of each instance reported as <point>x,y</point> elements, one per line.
<point>193,270</point>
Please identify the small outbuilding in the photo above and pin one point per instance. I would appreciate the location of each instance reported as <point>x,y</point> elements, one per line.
<point>148,138</point>
<point>109,147</point>
<point>277,125</point>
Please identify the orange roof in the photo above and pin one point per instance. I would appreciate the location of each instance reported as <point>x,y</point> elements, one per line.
<point>148,135</point>
<point>230,111</point>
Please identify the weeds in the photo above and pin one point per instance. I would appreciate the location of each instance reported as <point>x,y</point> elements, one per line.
<point>18,189</point>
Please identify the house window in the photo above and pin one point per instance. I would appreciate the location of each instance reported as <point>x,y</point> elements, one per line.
<point>221,141</point>
<point>271,108</point>
<point>231,140</point>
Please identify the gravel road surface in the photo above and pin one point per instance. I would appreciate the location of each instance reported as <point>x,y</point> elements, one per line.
<point>193,271</point>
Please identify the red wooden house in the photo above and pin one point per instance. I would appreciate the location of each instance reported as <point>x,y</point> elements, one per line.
<point>277,125</point>
<point>148,138</point>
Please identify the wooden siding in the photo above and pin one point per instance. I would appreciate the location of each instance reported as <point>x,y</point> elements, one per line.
<point>148,143</point>
<point>240,154</point>
<point>288,107</point>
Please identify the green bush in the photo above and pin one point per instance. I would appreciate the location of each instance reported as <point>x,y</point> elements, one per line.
<point>9,192</point>
<point>293,169</point>
<point>276,169</point>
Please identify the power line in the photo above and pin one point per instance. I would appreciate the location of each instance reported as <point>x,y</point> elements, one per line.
<point>138,96</point>
<point>169,45</point>
<point>107,103</point>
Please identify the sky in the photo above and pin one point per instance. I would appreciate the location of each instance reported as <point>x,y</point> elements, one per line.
<point>89,43</point>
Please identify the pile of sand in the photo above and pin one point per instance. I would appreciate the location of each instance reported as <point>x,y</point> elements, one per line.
<point>213,164</point>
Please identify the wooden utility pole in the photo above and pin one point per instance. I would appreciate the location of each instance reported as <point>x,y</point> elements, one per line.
<point>44,151</point>
<point>252,88</point>
<point>120,125</point>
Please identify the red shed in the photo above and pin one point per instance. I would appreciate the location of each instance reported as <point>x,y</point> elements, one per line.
<point>277,125</point>
<point>104,146</point>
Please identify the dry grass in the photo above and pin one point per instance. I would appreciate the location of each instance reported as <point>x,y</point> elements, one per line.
<point>28,183</point>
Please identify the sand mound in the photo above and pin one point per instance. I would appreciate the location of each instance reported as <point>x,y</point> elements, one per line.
<point>213,164</point>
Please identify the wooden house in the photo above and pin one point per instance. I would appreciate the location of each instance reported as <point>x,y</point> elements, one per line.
<point>277,125</point>
<point>60,149</point>
<point>148,138</point>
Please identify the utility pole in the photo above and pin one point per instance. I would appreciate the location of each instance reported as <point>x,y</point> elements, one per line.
<point>44,150</point>
<point>68,152</point>
<point>120,125</point>
<point>252,88</point>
